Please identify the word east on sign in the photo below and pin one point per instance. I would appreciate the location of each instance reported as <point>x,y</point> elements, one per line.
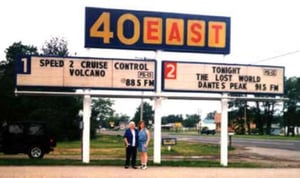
<point>109,28</point>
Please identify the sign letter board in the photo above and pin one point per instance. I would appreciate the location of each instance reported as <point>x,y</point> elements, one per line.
<point>79,72</point>
<point>230,78</point>
<point>128,29</point>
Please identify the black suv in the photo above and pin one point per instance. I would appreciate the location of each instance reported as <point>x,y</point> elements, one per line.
<point>27,137</point>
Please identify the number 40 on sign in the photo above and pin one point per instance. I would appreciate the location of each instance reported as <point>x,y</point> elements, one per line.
<point>151,30</point>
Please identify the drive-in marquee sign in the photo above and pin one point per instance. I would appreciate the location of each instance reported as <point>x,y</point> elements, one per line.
<point>101,73</point>
<point>128,29</point>
<point>230,78</point>
<point>78,72</point>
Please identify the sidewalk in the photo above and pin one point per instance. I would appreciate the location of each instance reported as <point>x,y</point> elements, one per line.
<point>151,172</point>
<point>275,153</point>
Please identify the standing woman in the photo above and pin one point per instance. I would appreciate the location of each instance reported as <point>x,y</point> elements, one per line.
<point>131,139</point>
<point>143,143</point>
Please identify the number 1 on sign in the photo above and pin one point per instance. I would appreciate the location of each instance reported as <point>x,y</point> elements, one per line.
<point>170,69</point>
<point>24,60</point>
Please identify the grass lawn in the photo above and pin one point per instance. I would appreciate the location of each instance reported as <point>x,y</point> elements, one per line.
<point>111,146</point>
<point>108,150</point>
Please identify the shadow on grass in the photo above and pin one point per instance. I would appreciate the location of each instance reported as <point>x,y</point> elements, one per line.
<point>69,162</point>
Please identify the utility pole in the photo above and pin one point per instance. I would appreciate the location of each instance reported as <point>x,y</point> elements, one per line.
<point>142,107</point>
<point>245,116</point>
<point>142,101</point>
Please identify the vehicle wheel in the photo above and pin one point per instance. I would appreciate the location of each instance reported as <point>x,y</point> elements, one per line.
<point>36,152</point>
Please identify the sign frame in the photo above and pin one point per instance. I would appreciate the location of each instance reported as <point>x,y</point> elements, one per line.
<point>18,67</point>
<point>93,14</point>
<point>169,141</point>
<point>224,91</point>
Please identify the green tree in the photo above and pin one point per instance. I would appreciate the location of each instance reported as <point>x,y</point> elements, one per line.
<point>148,113</point>
<point>55,47</point>
<point>269,111</point>
<point>239,115</point>
<point>18,49</point>
<point>191,120</point>
<point>102,113</point>
<point>10,105</point>
<point>236,117</point>
<point>292,106</point>
<point>172,119</point>
<point>123,117</point>
<point>211,115</point>
<point>114,121</point>
<point>265,114</point>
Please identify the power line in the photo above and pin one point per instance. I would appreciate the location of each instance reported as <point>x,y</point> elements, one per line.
<point>275,57</point>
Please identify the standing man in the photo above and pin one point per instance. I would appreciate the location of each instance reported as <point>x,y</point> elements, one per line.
<point>131,141</point>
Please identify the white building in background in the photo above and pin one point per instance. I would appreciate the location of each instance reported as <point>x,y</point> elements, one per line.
<point>207,126</point>
<point>209,123</point>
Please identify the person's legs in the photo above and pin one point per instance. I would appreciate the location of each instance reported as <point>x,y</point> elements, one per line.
<point>142,158</point>
<point>146,158</point>
<point>133,161</point>
<point>128,155</point>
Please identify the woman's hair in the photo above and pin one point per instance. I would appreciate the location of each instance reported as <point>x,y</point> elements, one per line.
<point>140,123</point>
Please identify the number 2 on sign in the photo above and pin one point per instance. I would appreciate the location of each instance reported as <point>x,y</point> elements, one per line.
<point>170,69</point>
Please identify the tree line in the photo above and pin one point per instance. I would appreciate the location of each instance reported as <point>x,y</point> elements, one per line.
<point>264,114</point>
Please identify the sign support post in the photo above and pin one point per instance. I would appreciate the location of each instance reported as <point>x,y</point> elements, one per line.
<point>157,131</point>
<point>224,130</point>
<point>86,128</point>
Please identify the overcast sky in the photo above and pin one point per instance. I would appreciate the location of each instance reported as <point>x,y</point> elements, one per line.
<point>262,32</point>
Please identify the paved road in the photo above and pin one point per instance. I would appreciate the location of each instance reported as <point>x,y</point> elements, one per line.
<point>264,143</point>
<point>245,142</point>
<point>151,172</point>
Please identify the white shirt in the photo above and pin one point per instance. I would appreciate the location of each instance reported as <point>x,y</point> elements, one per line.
<point>133,137</point>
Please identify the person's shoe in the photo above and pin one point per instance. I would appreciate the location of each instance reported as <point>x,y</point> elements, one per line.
<point>144,167</point>
<point>126,167</point>
<point>134,167</point>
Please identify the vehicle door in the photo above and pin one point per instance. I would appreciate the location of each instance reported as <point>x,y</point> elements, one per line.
<point>36,134</point>
<point>15,138</point>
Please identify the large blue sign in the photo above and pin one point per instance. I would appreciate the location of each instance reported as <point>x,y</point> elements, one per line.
<point>127,29</point>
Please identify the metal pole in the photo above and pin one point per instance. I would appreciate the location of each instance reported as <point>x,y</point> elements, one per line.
<point>224,130</point>
<point>157,116</point>
<point>142,101</point>
<point>86,129</point>
<point>142,108</point>
<point>245,116</point>
<point>157,131</point>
